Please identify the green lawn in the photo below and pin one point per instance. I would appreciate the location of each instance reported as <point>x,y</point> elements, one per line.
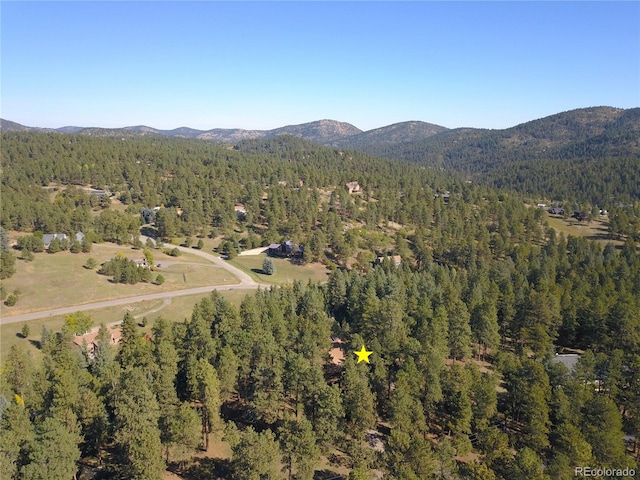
<point>286,272</point>
<point>59,280</point>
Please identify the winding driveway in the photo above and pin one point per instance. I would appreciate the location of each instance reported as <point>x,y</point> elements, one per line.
<point>246,283</point>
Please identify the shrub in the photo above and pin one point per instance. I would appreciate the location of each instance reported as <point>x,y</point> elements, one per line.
<point>11,300</point>
<point>25,331</point>
<point>159,279</point>
<point>91,263</point>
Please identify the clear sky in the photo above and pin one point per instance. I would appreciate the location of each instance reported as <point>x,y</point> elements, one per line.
<point>263,65</point>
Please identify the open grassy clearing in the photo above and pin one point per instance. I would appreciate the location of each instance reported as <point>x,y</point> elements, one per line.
<point>286,272</point>
<point>597,230</point>
<point>60,280</point>
<point>181,308</point>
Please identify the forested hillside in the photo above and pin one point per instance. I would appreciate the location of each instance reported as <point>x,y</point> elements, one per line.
<point>554,156</point>
<point>472,297</point>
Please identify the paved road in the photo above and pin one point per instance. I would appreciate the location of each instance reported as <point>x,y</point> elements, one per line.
<point>246,283</point>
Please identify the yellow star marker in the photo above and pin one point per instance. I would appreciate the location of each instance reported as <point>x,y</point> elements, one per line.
<point>363,355</point>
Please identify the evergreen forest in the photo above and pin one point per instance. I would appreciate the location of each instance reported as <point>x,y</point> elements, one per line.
<point>467,328</point>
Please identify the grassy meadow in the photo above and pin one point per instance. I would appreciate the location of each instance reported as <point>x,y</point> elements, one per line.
<point>60,279</point>
<point>286,272</point>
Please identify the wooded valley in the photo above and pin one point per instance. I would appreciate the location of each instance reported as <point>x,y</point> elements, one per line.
<point>467,297</point>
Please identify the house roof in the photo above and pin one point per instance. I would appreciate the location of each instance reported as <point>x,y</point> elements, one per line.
<point>91,337</point>
<point>569,360</point>
<point>47,238</point>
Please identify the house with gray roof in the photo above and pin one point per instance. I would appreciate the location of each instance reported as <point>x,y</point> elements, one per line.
<point>47,238</point>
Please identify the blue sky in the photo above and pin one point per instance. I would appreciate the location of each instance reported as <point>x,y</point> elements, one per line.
<point>262,65</point>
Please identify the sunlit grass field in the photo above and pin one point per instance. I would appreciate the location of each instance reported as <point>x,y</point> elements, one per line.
<point>286,272</point>
<point>60,279</point>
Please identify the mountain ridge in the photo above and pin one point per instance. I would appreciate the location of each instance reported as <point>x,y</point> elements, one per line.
<point>584,131</point>
<point>319,131</point>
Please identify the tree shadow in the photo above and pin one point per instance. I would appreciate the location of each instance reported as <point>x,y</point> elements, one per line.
<point>149,232</point>
<point>326,475</point>
<point>601,236</point>
<point>208,469</point>
<point>36,343</point>
<point>258,270</point>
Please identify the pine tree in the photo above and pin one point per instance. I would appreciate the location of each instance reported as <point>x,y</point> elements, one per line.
<point>602,427</point>
<point>53,453</point>
<point>129,342</point>
<point>357,397</point>
<point>184,433</point>
<point>326,413</point>
<point>137,435</point>
<point>104,353</point>
<point>17,437</point>
<point>300,451</point>
<point>255,457</point>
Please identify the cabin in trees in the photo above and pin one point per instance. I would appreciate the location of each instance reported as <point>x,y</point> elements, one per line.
<point>353,187</point>
<point>396,259</point>
<point>99,193</point>
<point>286,249</point>
<point>556,211</point>
<point>445,195</point>
<point>89,341</point>
<point>569,360</point>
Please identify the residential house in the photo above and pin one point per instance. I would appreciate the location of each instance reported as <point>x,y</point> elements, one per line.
<point>141,262</point>
<point>353,187</point>
<point>47,238</point>
<point>241,212</point>
<point>396,259</point>
<point>99,193</point>
<point>556,211</point>
<point>90,340</point>
<point>569,360</point>
<point>445,196</point>
<point>285,249</point>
